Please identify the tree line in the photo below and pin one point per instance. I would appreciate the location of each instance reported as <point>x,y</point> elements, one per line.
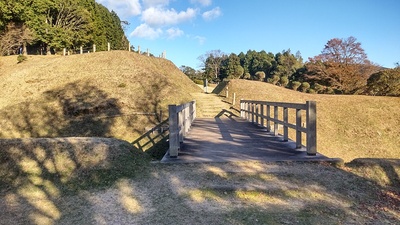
<point>341,68</point>
<point>48,26</point>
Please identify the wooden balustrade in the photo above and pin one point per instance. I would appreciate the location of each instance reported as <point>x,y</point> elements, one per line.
<point>259,112</point>
<point>181,118</point>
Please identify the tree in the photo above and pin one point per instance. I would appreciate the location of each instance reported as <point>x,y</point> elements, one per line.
<point>231,67</point>
<point>342,65</point>
<point>14,37</point>
<point>385,82</point>
<point>286,64</point>
<point>56,24</point>
<point>211,61</point>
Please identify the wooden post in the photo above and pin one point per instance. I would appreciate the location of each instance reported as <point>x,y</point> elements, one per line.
<point>262,115</point>
<point>298,127</point>
<point>174,144</point>
<point>205,84</point>
<point>311,127</point>
<point>129,47</point>
<point>147,52</point>
<point>252,112</point>
<point>108,46</point>
<point>81,50</point>
<point>234,99</point>
<point>180,126</point>
<point>227,92</point>
<point>257,114</point>
<point>194,111</point>
<point>64,52</point>
<point>268,118</point>
<point>276,119</point>
<point>139,49</point>
<point>94,48</point>
<point>248,105</point>
<point>187,118</point>
<point>285,121</point>
<point>241,108</point>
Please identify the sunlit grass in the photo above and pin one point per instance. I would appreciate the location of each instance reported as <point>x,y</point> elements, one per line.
<point>348,126</point>
<point>84,97</point>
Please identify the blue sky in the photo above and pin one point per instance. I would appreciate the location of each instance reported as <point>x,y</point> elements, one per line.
<point>186,29</point>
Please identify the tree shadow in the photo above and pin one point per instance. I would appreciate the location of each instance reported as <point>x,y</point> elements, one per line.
<point>77,109</point>
<point>277,193</point>
<point>39,173</point>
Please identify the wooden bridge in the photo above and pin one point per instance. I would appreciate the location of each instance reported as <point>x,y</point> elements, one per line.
<point>260,133</point>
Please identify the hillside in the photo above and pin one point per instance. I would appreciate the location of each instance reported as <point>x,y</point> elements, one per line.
<point>349,126</point>
<point>103,94</point>
<point>84,180</point>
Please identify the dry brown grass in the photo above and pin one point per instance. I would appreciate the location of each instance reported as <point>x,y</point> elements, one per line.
<point>349,126</point>
<point>85,95</point>
<point>108,181</point>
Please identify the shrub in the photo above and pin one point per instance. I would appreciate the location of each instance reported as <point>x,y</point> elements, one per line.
<point>273,80</point>
<point>247,76</point>
<point>318,88</point>
<point>305,86</point>
<point>21,58</point>
<point>386,82</point>
<point>311,91</point>
<point>284,81</point>
<point>330,91</point>
<point>198,81</point>
<point>260,75</point>
<point>295,85</point>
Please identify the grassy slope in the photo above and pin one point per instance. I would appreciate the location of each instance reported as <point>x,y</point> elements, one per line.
<point>101,180</point>
<point>82,95</point>
<point>349,126</point>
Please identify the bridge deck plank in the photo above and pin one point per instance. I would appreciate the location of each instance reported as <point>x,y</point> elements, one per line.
<point>228,139</point>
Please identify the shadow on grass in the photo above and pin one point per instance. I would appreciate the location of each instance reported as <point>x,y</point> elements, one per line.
<point>333,195</point>
<point>77,109</point>
<point>281,193</point>
<point>154,142</point>
<point>37,173</point>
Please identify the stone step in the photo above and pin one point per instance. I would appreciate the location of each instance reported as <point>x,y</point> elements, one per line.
<point>209,105</point>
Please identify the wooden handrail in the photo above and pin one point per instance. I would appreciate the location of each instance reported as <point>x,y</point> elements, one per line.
<point>254,111</point>
<point>180,120</point>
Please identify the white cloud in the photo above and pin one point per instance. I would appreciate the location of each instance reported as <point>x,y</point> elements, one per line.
<point>159,19</point>
<point>202,2</point>
<point>174,32</point>
<point>124,8</point>
<point>212,14</point>
<point>155,3</point>
<point>200,39</point>
<point>163,17</point>
<point>144,31</point>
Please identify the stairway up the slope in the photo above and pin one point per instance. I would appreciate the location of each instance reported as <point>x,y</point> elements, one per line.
<point>211,105</point>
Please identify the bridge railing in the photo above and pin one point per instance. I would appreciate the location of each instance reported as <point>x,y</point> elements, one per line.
<point>180,120</point>
<point>260,112</point>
